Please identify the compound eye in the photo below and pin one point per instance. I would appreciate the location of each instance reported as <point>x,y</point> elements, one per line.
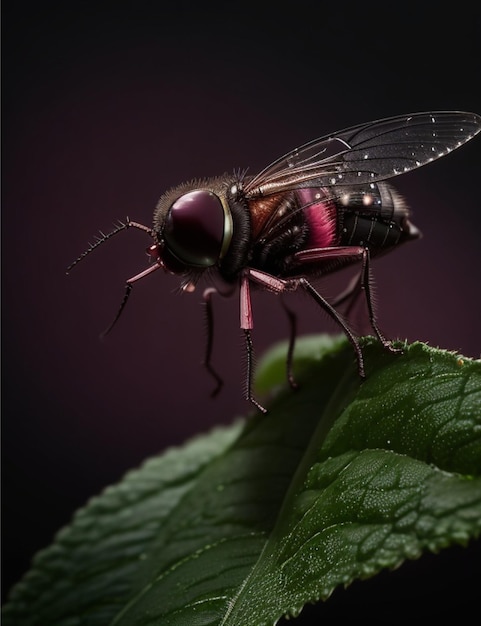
<point>194,228</point>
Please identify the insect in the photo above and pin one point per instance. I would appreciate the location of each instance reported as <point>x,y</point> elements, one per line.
<point>321,207</point>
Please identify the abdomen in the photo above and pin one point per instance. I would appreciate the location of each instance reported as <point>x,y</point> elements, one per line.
<point>374,216</point>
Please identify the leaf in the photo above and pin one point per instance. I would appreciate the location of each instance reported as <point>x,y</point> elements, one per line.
<point>339,481</point>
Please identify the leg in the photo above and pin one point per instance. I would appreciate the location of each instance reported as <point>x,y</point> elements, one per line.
<point>366,286</point>
<point>350,294</point>
<point>303,282</point>
<point>246,324</point>
<point>128,289</point>
<point>250,371</point>
<point>207,296</point>
<point>278,286</point>
<point>292,341</point>
<point>363,283</point>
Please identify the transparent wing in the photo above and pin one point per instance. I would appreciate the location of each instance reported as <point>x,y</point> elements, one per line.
<point>368,152</point>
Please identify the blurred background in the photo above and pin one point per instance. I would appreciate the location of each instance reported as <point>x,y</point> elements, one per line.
<point>105,106</point>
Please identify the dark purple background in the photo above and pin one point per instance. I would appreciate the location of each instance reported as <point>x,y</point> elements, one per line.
<point>106,107</point>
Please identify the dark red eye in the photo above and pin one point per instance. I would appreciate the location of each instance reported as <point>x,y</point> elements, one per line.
<point>194,228</point>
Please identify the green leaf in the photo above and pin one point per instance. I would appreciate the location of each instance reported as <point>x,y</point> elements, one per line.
<point>339,481</point>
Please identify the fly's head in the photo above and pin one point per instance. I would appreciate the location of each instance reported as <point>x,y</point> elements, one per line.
<point>193,228</point>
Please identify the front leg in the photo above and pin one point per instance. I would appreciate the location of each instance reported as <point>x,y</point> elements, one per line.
<point>278,286</point>
<point>246,324</point>
<point>209,314</point>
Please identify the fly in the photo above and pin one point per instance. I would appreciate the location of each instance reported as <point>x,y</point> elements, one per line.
<point>317,209</point>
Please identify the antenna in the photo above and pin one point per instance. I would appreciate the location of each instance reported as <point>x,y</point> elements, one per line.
<point>105,237</point>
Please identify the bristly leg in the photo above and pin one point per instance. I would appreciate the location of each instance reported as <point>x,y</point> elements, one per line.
<point>303,282</point>
<point>207,296</point>
<point>128,289</point>
<point>247,324</point>
<point>362,284</point>
<point>350,295</point>
<point>250,371</point>
<point>292,317</point>
<point>366,287</point>
<point>278,286</point>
